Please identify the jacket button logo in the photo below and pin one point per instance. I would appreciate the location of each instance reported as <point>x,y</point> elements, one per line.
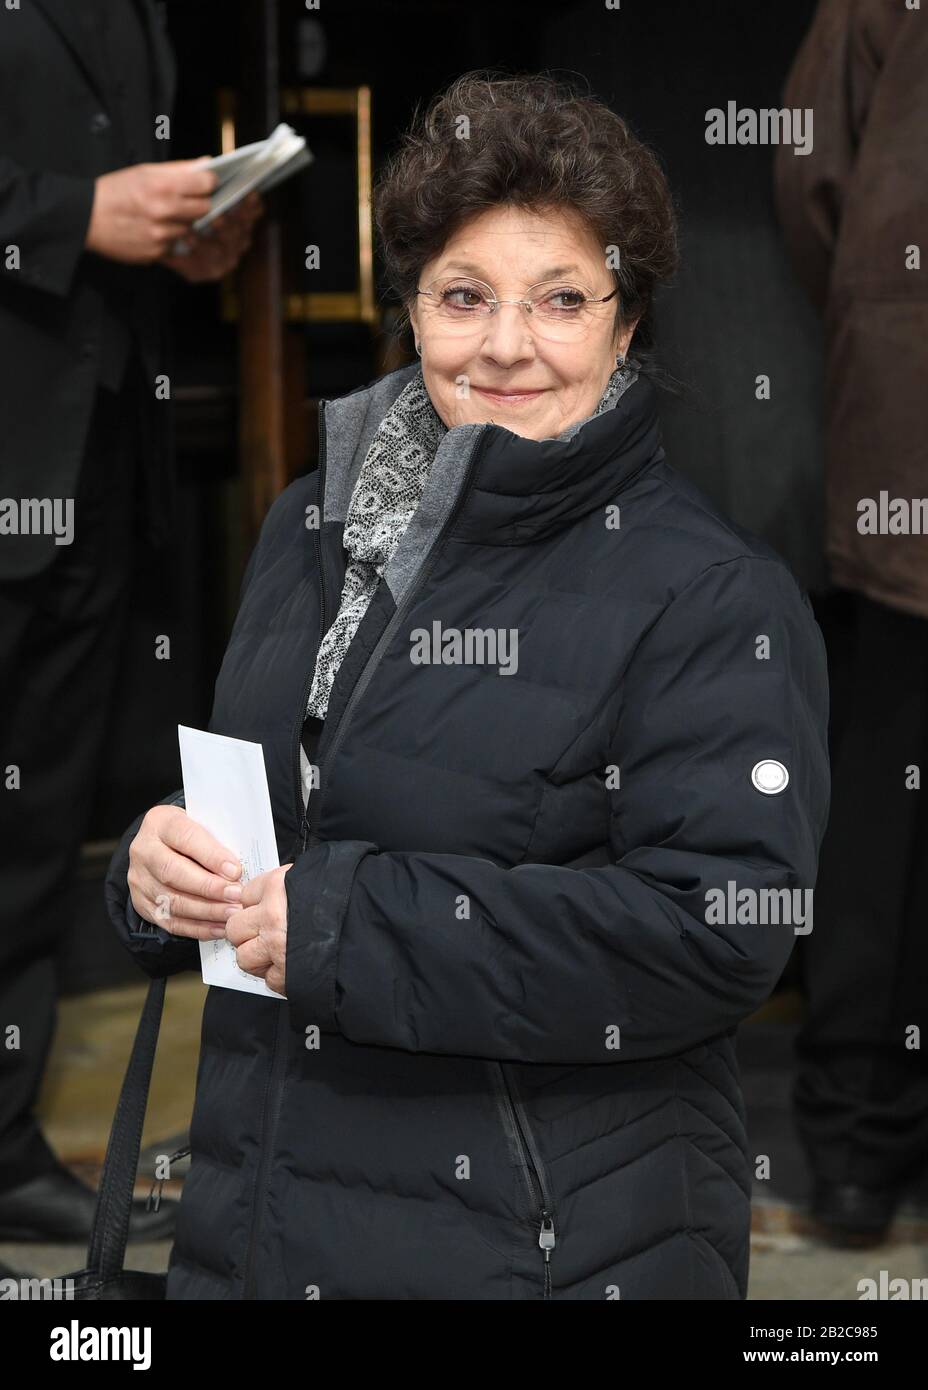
<point>769,776</point>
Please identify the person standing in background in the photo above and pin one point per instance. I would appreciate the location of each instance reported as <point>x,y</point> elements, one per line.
<point>855,216</point>
<point>91,211</point>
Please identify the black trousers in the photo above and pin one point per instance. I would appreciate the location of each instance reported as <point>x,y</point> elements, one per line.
<point>61,634</point>
<point>861,1088</point>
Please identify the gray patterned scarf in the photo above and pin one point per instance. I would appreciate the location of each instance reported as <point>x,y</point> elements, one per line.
<point>385,496</point>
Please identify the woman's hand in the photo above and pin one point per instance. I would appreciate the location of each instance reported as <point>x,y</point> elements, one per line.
<point>180,877</point>
<point>258,929</point>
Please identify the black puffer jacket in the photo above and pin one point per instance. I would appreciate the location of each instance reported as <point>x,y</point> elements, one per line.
<point>524,1082</point>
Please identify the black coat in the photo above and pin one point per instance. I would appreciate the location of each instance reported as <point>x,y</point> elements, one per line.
<point>499,922</point>
<point>59,130</point>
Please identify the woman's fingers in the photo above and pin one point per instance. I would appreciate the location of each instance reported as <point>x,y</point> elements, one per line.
<point>242,926</point>
<point>180,876</point>
<point>254,957</point>
<point>153,910</point>
<point>182,833</point>
<point>173,904</point>
<point>176,873</point>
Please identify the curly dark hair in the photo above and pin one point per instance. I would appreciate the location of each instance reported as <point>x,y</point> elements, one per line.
<point>534,142</point>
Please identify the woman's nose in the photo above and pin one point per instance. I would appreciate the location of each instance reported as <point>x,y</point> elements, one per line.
<point>508,336</point>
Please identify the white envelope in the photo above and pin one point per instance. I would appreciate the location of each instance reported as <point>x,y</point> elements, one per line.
<point>225,789</point>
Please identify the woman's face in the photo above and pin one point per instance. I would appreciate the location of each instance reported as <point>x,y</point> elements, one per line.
<point>543,385</point>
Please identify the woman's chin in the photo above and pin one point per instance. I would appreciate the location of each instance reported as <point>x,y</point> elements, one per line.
<point>518,419</point>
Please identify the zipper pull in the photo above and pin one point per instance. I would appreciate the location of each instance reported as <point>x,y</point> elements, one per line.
<point>546,1236</point>
<point>153,1203</point>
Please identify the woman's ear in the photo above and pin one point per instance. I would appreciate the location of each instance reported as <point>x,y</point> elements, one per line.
<point>624,336</point>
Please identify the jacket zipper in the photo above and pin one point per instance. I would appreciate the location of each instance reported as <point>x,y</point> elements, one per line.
<point>270,1114</point>
<point>532,1170</point>
<point>273,1091</point>
<point>323,626</point>
<point>273,1094</point>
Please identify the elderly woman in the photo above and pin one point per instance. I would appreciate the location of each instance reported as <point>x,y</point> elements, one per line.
<point>545,738</point>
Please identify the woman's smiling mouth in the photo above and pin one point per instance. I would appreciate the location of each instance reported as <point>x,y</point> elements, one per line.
<point>503,397</point>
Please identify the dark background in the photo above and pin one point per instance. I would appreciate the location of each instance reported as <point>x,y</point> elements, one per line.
<point>734,311</point>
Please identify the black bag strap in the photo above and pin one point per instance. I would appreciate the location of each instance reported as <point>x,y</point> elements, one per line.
<point>107,1252</point>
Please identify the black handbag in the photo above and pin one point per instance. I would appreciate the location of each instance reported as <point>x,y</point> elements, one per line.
<point>104,1277</point>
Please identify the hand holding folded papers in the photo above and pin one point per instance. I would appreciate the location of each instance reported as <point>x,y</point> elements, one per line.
<point>217,250</point>
<point>220,234</point>
<point>193,215</point>
<point>139,212</point>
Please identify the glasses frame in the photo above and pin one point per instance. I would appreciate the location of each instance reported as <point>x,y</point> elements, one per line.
<point>495,301</point>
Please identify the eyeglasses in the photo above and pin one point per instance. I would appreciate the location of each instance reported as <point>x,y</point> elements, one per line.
<point>559,311</point>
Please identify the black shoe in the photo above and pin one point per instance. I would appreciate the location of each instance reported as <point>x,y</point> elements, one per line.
<point>852,1215</point>
<point>57,1206</point>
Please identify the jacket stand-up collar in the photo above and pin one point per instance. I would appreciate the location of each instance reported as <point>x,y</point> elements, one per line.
<point>525,489</point>
<point>502,488</point>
